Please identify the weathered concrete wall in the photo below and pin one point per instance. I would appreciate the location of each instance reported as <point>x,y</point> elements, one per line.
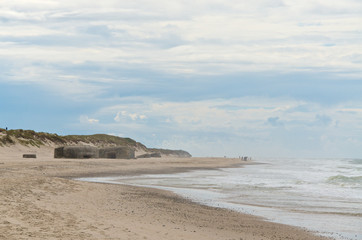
<point>93,152</point>
<point>117,153</point>
<point>76,152</point>
<point>59,152</point>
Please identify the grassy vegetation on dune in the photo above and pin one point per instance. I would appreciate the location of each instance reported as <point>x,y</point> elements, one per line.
<point>102,139</point>
<point>30,137</point>
<point>37,139</point>
<point>5,138</point>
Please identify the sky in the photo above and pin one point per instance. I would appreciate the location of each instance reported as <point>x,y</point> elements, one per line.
<point>262,78</point>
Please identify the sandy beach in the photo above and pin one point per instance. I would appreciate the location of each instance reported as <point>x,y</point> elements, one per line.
<point>40,200</point>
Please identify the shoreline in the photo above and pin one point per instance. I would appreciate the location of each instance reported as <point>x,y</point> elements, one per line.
<point>209,198</point>
<point>39,201</point>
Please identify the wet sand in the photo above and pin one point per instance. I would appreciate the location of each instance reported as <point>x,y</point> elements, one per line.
<point>39,200</point>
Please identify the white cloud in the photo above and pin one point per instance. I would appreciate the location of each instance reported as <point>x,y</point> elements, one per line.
<point>133,116</point>
<point>254,126</point>
<point>204,37</point>
<point>117,118</point>
<point>218,114</point>
<point>86,119</point>
<point>351,110</point>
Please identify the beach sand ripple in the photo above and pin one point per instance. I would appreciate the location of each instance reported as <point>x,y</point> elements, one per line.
<point>39,200</point>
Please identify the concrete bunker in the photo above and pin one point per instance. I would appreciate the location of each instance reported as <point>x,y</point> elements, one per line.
<point>81,152</point>
<point>117,153</point>
<point>76,152</point>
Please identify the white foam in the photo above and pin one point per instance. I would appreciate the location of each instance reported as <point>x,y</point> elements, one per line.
<point>289,191</point>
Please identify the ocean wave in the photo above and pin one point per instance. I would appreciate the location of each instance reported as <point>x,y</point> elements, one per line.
<point>356,161</point>
<point>344,180</point>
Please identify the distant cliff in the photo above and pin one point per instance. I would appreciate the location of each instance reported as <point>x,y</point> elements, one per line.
<point>167,152</point>
<point>37,139</point>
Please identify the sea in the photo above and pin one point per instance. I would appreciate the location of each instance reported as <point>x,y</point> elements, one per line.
<point>320,195</point>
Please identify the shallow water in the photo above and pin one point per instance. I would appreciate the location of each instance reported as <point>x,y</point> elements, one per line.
<point>323,195</point>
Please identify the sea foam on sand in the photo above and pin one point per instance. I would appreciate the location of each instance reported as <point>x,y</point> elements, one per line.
<point>323,195</point>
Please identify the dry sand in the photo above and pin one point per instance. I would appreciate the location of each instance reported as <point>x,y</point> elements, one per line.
<point>39,200</point>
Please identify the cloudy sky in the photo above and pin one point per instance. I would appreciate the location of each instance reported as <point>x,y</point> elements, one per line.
<point>258,78</point>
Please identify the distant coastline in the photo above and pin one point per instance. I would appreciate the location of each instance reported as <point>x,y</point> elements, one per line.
<point>32,138</point>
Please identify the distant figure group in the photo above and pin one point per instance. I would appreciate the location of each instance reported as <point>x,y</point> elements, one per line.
<point>245,158</point>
